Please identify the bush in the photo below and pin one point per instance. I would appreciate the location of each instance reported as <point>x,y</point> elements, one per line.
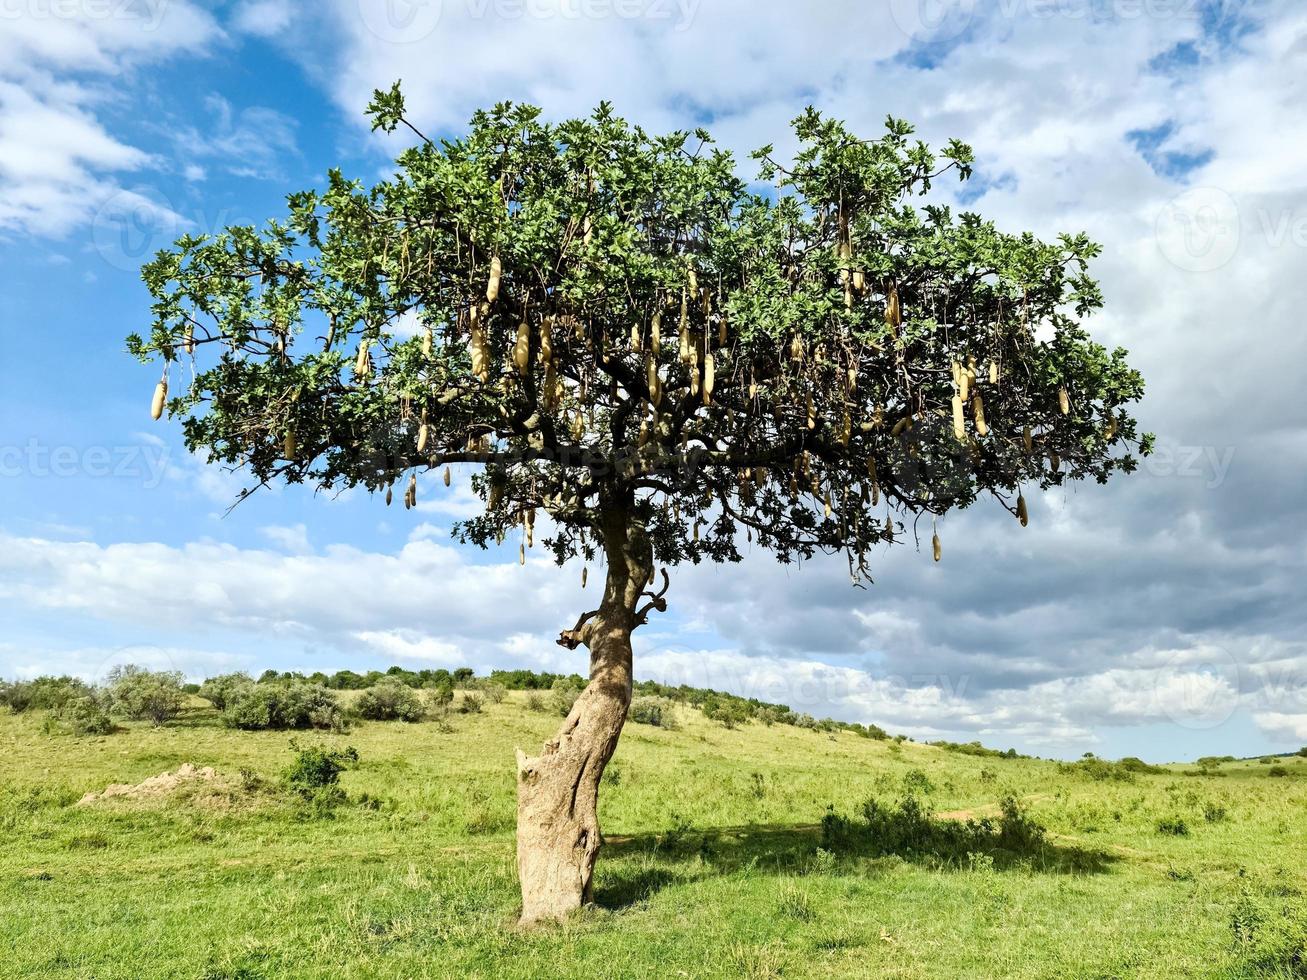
<point>284,706</point>
<point>471,704</point>
<point>1174,826</point>
<point>440,695</point>
<point>728,714</point>
<point>317,767</point>
<point>658,712</point>
<point>907,828</point>
<point>563,695</point>
<point>390,700</point>
<point>1103,770</point>
<point>314,776</point>
<point>1277,771</point>
<point>534,702</point>
<point>220,691</point>
<point>146,695</point>
<point>916,781</point>
<point>493,692</point>
<point>86,716</point>
<point>42,693</point>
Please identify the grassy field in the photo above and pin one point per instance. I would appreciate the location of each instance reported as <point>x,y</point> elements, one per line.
<point>717,862</point>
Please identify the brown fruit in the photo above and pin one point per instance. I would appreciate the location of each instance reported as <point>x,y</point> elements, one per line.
<point>812,413</point>
<point>1022,514</point>
<point>959,425</point>
<point>289,444</point>
<point>547,340</point>
<point>424,434</point>
<point>1028,439</point>
<point>693,279</point>
<point>448,476</point>
<point>656,333</point>
<point>160,398</point>
<point>978,413</point>
<point>189,343</point>
<point>522,348</point>
<point>654,382</point>
<point>685,329</point>
<point>636,341</point>
<point>496,274</point>
<point>362,363</point>
<point>389,496</point>
<point>993,372</point>
<point>893,312</point>
<point>585,574</point>
<point>1064,401</point>
<point>426,341</point>
<point>551,392</point>
<point>935,547</point>
<point>709,368</point>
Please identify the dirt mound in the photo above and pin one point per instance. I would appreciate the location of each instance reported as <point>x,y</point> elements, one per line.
<point>164,784</point>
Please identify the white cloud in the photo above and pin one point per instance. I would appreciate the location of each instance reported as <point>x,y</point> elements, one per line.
<point>58,160</point>
<point>1288,728</point>
<point>429,603</point>
<point>294,540</point>
<point>263,18</point>
<point>251,142</point>
<point>1119,606</point>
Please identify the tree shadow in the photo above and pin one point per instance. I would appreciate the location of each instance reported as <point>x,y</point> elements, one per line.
<point>862,845</point>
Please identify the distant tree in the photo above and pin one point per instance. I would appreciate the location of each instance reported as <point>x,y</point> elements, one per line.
<point>390,700</point>
<point>616,332</point>
<point>145,695</point>
<point>220,691</point>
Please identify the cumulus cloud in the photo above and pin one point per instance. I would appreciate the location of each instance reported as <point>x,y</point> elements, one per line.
<point>59,162</point>
<point>1171,133</point>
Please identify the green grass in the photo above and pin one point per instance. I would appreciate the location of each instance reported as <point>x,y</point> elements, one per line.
<point>714,866</point>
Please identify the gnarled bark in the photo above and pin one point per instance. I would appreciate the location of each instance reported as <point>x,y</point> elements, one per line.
<point>558,791</point>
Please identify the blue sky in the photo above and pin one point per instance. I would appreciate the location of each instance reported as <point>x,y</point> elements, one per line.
<point>1161,616</point>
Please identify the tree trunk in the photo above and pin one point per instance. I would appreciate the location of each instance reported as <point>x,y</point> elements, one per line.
<point>558,790</point>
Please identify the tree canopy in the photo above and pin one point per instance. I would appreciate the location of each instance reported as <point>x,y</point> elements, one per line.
<point>600,317</point>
